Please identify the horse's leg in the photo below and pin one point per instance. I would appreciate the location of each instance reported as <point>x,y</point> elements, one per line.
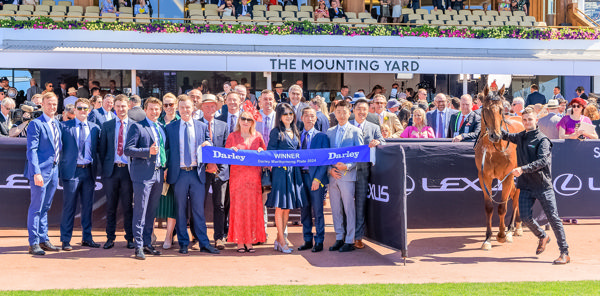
<point>518,223</point>
<point>489,211</point>
<point>502,212</point>
<point>509,185</point>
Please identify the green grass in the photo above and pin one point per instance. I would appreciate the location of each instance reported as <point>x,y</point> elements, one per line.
<point>508,288</point>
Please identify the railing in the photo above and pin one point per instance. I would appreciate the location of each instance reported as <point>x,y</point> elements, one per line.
<point>588,18</point>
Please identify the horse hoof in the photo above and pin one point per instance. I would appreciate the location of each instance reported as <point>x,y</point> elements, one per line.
<point>501,239</point>
<point>509,238</point>
<point>486,246</point>
<point>519,232</point>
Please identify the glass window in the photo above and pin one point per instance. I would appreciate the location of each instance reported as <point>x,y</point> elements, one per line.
<point>168,9</point>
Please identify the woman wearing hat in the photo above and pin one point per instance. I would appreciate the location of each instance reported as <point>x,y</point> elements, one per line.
<point>569,126</point>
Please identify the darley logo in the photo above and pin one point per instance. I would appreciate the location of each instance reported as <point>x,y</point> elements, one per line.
<point>333,155</point>
<point>217,154</point>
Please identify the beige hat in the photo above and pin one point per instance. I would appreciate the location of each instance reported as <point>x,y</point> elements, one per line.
<point>209,98</point>
<point>553,103</point>
<point>278,85</point>
<point>71,90</point>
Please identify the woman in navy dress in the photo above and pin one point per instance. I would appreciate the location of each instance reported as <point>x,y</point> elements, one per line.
<point>287,181</point>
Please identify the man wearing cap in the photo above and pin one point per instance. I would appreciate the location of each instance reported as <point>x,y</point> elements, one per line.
<point>393,106</point>
<point>4,84</point>
<point>547,124</point>
<point>71,99</point>
<point>34,89</point>
<point>280,97</point>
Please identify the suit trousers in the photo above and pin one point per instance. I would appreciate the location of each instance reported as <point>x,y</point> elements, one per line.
<point>80,188</point>
<point>548,202</point>
<point>341,195</point>
<point>361,193</point>
<point>313,209</point>
<point>37,215</point>
<point>220,199</point>
<point>119,190</point>
<point>146,197</point>
<point>188,185</point>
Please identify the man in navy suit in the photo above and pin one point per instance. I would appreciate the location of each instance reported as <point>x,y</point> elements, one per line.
<point>244,8</point>
<point>145,145</point>
<point>43,150</point>
<point>322,123</point>
<point>115,172</point>
<point>335,11</point>
<point>217,175</point>
<point>439,119</point>
<point>187,174</point>
<point>466,124</point>
<point>101,115</point>
<point>77,171</point>
<point>535,97</point>
<point>234,102</point>
<point>314,179</point>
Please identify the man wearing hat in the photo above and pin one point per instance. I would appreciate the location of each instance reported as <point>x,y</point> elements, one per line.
<point>280,97</point>
<point>71,98</point>
<point>393,106</point>
<point>547,124</point>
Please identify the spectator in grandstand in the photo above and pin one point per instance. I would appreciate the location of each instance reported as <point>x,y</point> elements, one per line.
<point>466,124</point>
<point>385,10</point>
<point>34,89</point>
<point>581,92</point>
<point>396,11</point>
<point>336,12</point>
<point>438,4</point>
<point>547,124</point>
<point>519,5</point>
<point>244,8</point>
<point>556,93</point>
<point>569,127</point>
<point>517,106</point>
<point>321,11</point>
<point>106,6</point>
<point>227,9</point>
<point>121,3</point>
<point>419,128</point>
<point>82,91</point>
<point>439,119</point>
<point>535,97</point>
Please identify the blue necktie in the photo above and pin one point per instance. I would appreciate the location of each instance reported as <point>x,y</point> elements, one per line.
<point>187,155</point>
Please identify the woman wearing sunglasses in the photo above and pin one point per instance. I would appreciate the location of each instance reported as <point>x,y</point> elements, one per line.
<point>246,223</point>
<point>569,126</point>
<point>287,181</point>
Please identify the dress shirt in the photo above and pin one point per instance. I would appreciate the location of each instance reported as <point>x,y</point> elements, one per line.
<point>156,139</point>
<point>107,114</point>
<point>122,158</point>
<point>50,121</point>
<point>381,117</point>
<point>211,127</point>
<point>229,118</point>
<point>361,126</point>
<point>339,137</point>
<point>182,144</point>
<point>88,142</point>
<point>308,136</point>
<point>267,126</point>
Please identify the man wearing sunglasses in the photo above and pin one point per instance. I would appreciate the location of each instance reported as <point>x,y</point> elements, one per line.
<point>77,170</point>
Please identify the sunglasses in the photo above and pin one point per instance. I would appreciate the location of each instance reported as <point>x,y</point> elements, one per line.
<point>82,108</point>
<point>288,113</point>
<point>576,106</point>
<point>169,105</point>
<point>246,119</point>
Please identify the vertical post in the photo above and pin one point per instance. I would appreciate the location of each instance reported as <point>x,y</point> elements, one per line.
<point>133,83</point>
<point>465,84</point>
<point>269,80</point>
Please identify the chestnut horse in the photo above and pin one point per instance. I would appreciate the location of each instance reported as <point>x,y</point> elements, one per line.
<point>495,159</point>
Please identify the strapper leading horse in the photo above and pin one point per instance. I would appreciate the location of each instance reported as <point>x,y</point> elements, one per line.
<point>495,159</point>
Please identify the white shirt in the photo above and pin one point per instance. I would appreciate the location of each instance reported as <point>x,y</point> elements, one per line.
<point>192,137</point>
<point>107,114</point>
<point>122,158</point>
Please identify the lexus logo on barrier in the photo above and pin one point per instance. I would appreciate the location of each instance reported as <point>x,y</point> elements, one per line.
<point>410,185</point>
<point>567,184</point>
<point>378,193</point>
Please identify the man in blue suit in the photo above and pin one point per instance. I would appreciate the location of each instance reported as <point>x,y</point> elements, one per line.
<point>77,171</point>
<point>217,175</point>
<point>535,97</point>
<point>101,115</point>
<point>115,172</point>
<point>145,145</point>
<point>43,150</point>
<point>314,179</point>
<point>187,173</point>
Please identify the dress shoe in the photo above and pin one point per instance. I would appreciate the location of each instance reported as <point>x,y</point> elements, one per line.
<point>317,248</point>
<point>219,244</point>
<point>210,249</point>
<point>48,246</point>
<point>183,250</point>
<point>305,246</point>
<point>153,239</point>
<point>150,250</point>
<point>542,245</point>
<point>347,248</point>
<point>139,254</point>
<point>338,244</point>
<point>359,244</point>
<point>562,259</point>
<point>90,244</point>
<point>109,244</point>
<point>130,244</point>
<point>67,246</point>
<point>36,250</point>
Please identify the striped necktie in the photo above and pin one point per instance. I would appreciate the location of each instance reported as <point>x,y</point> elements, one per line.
<point>56,140</point>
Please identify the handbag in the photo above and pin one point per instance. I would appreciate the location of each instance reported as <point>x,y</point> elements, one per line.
<point>265,179</point>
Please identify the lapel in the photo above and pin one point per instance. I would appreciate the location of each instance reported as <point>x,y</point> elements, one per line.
<point>46,127</point>
<point>148,129</point>
<point>199,134</point>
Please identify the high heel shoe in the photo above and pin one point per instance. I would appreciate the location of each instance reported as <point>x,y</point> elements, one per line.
<point>276,246</point>
<point>285,249</point>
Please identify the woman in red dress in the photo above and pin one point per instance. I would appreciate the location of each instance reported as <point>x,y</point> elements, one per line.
<point>246,223</point>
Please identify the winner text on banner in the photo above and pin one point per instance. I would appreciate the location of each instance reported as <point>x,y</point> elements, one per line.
<point>308,157</point>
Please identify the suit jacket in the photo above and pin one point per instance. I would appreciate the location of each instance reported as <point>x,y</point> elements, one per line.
<point>40,148</point>
<point>249,7</point>
<point>352,137</point>
<point>370,132</point>
<point>220,134</point>
<point>172,146</point>
<point>4,125</point>
<point>281,99</point>
<point>97,116</point>
<point>432,117</point>
<point>70,151</point>
<point>535,98</point>
<point>106,146</point>
<point>340,13</point>
<point>470,128</point>
<point>322,123</point>
<point>136,113</point>
<point>33,91</point>
<point>547,125</point>
<point>83,93</point>
<point>393,123</point>
<point>319,141</point>
<point>137,147</point>
<point>371,117</point>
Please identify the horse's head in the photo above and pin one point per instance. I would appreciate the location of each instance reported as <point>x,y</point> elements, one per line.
<point>492,111</point>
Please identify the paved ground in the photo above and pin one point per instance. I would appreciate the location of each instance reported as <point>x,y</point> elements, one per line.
<point>436,255</point>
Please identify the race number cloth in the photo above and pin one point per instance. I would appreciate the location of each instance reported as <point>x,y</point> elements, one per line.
<point>309,157</point>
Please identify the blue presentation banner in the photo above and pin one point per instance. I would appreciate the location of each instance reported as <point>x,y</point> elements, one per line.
<point>279,158</point>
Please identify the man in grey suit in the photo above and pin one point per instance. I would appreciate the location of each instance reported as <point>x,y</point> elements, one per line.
<point>342,178</point>
<point>34,89</point>
<point>440,127</point>
<point>135,109</point>
<point>372,135</point>
<point>547,124</point>
<point>295,97</point>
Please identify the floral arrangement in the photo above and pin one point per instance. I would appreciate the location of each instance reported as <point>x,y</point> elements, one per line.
<point>307,28</point>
